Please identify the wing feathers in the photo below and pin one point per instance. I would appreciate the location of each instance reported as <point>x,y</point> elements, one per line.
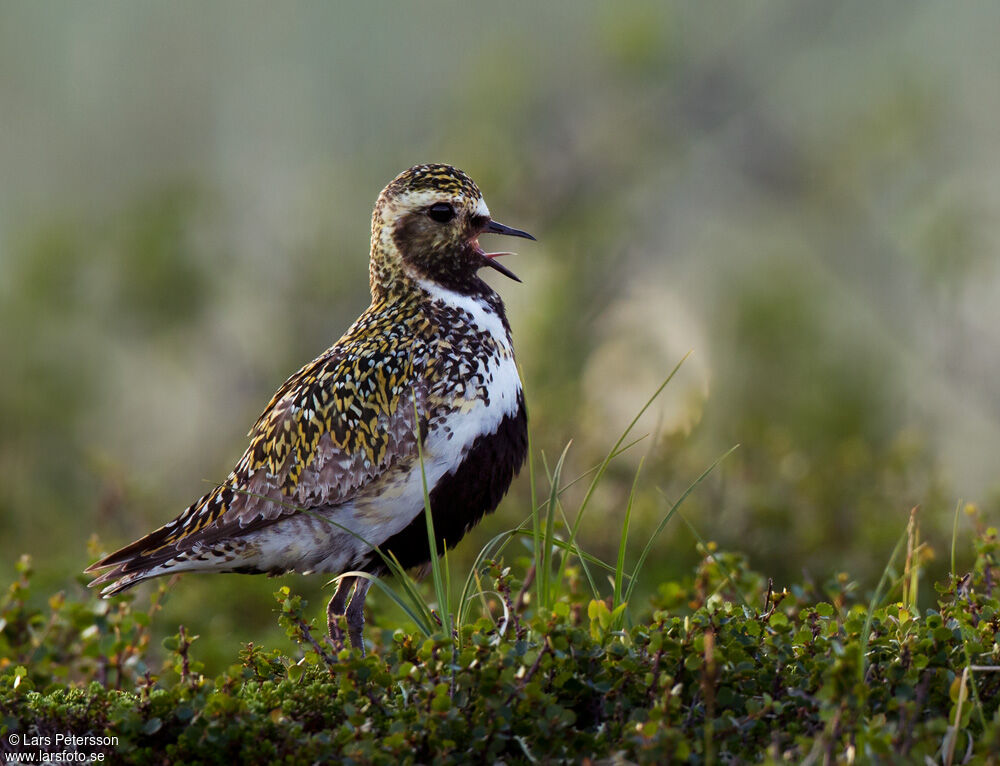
<point>331,429</point>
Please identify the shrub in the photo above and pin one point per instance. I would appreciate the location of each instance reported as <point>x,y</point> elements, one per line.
<point>812,671</point>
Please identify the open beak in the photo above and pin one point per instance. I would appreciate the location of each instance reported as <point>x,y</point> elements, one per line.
<point>493,227</point>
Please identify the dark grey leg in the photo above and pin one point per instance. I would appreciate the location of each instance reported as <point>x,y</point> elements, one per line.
<point>356,614</point>
<point>337,607</point>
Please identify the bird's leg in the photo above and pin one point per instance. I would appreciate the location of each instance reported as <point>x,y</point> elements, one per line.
<point>356,614</point>
<point>337,607</point>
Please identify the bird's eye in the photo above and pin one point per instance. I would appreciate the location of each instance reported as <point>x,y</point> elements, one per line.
<point>441,212</point>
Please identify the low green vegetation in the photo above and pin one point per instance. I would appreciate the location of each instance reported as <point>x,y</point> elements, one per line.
<point>719,666</point>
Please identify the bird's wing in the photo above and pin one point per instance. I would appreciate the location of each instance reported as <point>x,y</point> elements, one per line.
<point>332,427</point>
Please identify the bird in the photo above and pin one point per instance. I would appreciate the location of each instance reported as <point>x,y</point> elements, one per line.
<point>423,386</point>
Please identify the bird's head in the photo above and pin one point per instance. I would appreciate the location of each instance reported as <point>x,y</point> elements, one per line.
<point>426,226</point>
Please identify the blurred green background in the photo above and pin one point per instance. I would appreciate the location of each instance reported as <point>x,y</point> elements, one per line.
<point>803,194</point>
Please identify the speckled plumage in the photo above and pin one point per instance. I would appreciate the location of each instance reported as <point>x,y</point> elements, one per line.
<point>338,438</point>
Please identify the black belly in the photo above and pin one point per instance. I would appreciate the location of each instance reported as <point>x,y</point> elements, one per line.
<point>461,498</point>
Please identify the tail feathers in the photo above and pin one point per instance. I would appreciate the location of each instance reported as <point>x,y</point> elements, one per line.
<point>144,549</point>
<point>182,545</point>
<point>155,555</point>
<point>120,581</point>
<point>140,567</point>
<point>150,556</point>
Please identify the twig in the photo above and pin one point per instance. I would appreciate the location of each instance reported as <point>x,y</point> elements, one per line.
<point>529,580</point>
<point>906,727</point>
<point>182,650</point>
<point>504,589</point>
<point>306,634</point>
<point>531,672</point>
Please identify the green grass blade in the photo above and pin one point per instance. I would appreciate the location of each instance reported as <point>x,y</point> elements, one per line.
<point>536,536</point>
<point>536,523</point>
<point>573,547</point>
<point>574,550</point>
<point>591,470</point>
<point>876,597</point>
<point>544,567</point>
<point>473,574</point>
<point>534,519</point>
<point>446,571</point>
<point>410,588</point>
<point>482,597</point>
<point>666,519</point>
<point>604,464</point>
<point>439,584</point>
<point>423,622</point>
<point>620,565</point>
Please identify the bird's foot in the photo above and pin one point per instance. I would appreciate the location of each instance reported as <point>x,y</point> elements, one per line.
<point>335,609</point>
<point>356,614</point>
